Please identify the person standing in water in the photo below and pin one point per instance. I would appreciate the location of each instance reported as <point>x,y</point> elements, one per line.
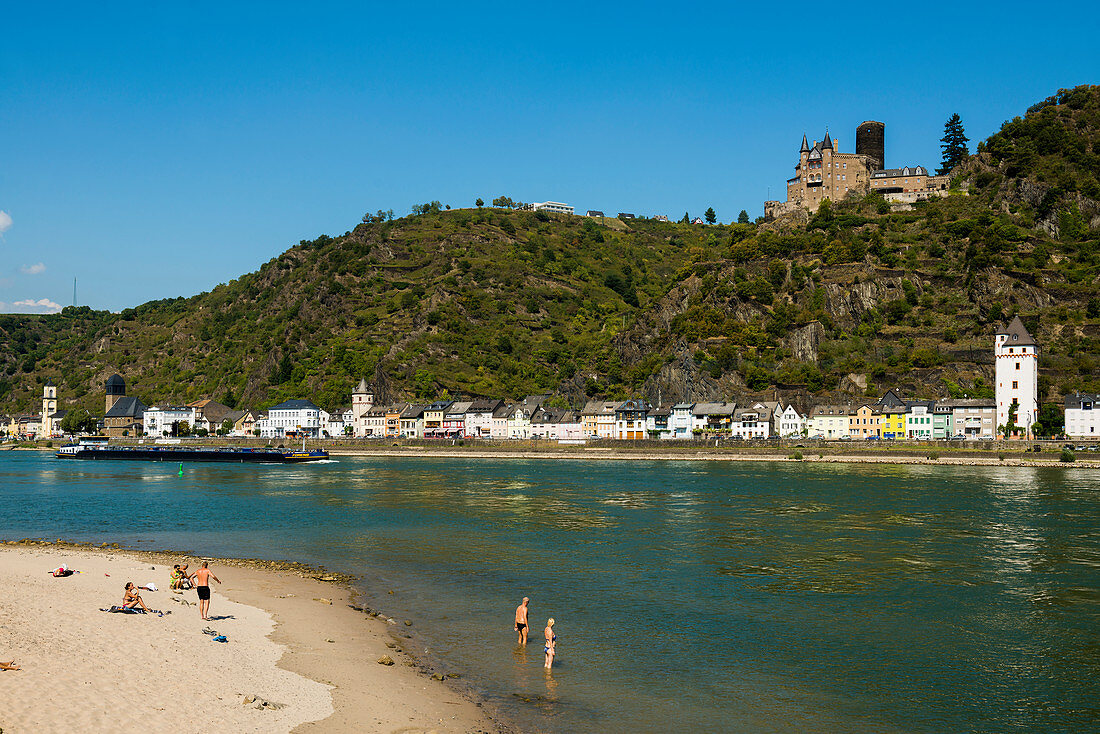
<point>202,584</point>
<point>551,640</point>
<point>521,621</point>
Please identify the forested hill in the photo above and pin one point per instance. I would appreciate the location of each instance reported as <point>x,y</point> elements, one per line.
<point>505,303</point>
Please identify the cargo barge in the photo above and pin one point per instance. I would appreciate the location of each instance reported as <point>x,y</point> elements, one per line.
<point>229,454</point>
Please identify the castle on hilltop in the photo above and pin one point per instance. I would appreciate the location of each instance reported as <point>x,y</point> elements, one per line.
<point>823,172</point>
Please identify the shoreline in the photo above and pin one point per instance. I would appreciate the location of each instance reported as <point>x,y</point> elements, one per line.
<point>810,451</point>
<point>809,456</point>
<point>304,623</point>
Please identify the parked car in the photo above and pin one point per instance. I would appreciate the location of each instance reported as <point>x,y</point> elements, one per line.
<point>872,438</point>
<point>959,437</point>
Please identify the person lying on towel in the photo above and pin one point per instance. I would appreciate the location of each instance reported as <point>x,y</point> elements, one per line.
<point>62,571</point>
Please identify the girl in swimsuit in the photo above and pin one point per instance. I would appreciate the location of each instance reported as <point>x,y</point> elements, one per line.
<point>551,639</point>
<point>130,598</point>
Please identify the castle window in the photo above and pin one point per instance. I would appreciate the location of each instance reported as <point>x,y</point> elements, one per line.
<point>1015,385</point>
<point>1017,365</point>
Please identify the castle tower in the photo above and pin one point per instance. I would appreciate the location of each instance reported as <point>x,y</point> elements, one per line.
<point>116,388</point>
<point>1016,355</point>
<point>362,399</point>
<point>49,407</point>
<point>871,142</point>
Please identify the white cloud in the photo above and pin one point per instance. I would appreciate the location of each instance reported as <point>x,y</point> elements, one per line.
<point>5,221</point>
<point>42,305</point>
<point>33,269</point>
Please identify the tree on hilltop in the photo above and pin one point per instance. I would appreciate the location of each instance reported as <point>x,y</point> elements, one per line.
<point>953,143</point>
<point>686,219</point>
<point>479,203</point>
<point>710,215</point>
<point>743,217</point>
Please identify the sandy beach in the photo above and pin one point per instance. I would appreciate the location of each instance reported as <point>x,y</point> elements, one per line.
<point>293,642</point>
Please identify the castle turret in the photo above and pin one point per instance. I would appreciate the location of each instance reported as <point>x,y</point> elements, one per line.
<point>1016,355</point>
<point>871,142</point>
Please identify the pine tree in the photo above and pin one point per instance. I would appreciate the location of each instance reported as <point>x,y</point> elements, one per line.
<point>710,216</point>
<point>953,143</point>
<point>743,217</point>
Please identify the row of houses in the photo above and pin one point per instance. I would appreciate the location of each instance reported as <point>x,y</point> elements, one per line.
<point>890,417</point>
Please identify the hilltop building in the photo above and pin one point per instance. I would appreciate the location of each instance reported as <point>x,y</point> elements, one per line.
<point>823,172</point>
<point>550,206</point>
<point>1016,355</point>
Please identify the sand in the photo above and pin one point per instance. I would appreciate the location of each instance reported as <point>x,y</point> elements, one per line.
<point>292,641</point>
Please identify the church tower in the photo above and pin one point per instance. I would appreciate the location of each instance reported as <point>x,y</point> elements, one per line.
<point>116,388</point>
<point>362,399</point>
<point>1016,355</point>
<point>49,407</point>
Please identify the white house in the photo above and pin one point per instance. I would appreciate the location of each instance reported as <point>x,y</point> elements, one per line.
<point>333,424</point>
<point>1083,415</point>
<point>1016,356</point>
<point>630,420</point>
<point>478,421</point>
<point>918,420</point>
<point>750,423</point>
<point>713,418</point>
<point>519,416</point>
<point>166,421</point>
<point>680,420</point>
<point>790,423</point>
<point>828,421</point>
<point>552,206</point>
<point>291,416</point>
<point>657,423</point>
<point>412,421</point>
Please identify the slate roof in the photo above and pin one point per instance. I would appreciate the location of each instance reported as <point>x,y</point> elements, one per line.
<point>295,404</point>
<point>805,145</point>
<point>116,381</point>
<point>1018,335</point>
<point>127,406</point>
<point>894,172</point>
<point>458,408</point>
<point>970,403</point>
<point>483,405</point>
<point>1077,400</point>
<point>714,408</point>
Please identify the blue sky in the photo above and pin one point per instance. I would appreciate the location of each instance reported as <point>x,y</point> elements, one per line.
<point>154,150</point>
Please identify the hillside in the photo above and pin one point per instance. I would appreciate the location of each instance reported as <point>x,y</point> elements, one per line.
<point>504,303</point>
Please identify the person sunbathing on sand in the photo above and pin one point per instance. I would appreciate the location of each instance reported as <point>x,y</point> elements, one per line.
<point>10,665</point>
<point>131,598</point>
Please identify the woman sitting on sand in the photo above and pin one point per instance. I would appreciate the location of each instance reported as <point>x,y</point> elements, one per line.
<point>10,665</point>
<point>131,599</point>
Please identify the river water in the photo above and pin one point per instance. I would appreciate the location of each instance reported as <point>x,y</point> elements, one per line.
<point>689,596</point>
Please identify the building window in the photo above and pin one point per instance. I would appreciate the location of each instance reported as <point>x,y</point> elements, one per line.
<point>1017,365</point>
<point>1015,385</point>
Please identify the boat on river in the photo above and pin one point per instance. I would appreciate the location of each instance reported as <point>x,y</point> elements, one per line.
<point>228,454</point>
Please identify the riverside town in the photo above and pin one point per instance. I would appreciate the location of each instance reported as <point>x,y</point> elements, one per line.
<point>1012,413</point>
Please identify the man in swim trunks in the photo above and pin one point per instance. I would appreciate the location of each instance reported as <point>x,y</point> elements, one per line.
<point>202,584</point>
<point>521,621</point>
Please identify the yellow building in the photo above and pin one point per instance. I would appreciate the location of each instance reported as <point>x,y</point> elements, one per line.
<point>893,422</point>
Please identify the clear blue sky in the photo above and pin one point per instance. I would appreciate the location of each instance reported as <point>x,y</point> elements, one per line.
<point>155,150</point>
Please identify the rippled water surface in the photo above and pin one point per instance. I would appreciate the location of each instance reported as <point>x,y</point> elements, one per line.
<point>688,595</point>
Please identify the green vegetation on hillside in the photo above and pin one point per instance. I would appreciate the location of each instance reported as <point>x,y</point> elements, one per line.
<point>503,303</point>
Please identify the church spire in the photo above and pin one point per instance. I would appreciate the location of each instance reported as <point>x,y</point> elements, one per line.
<point>827,142</point>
